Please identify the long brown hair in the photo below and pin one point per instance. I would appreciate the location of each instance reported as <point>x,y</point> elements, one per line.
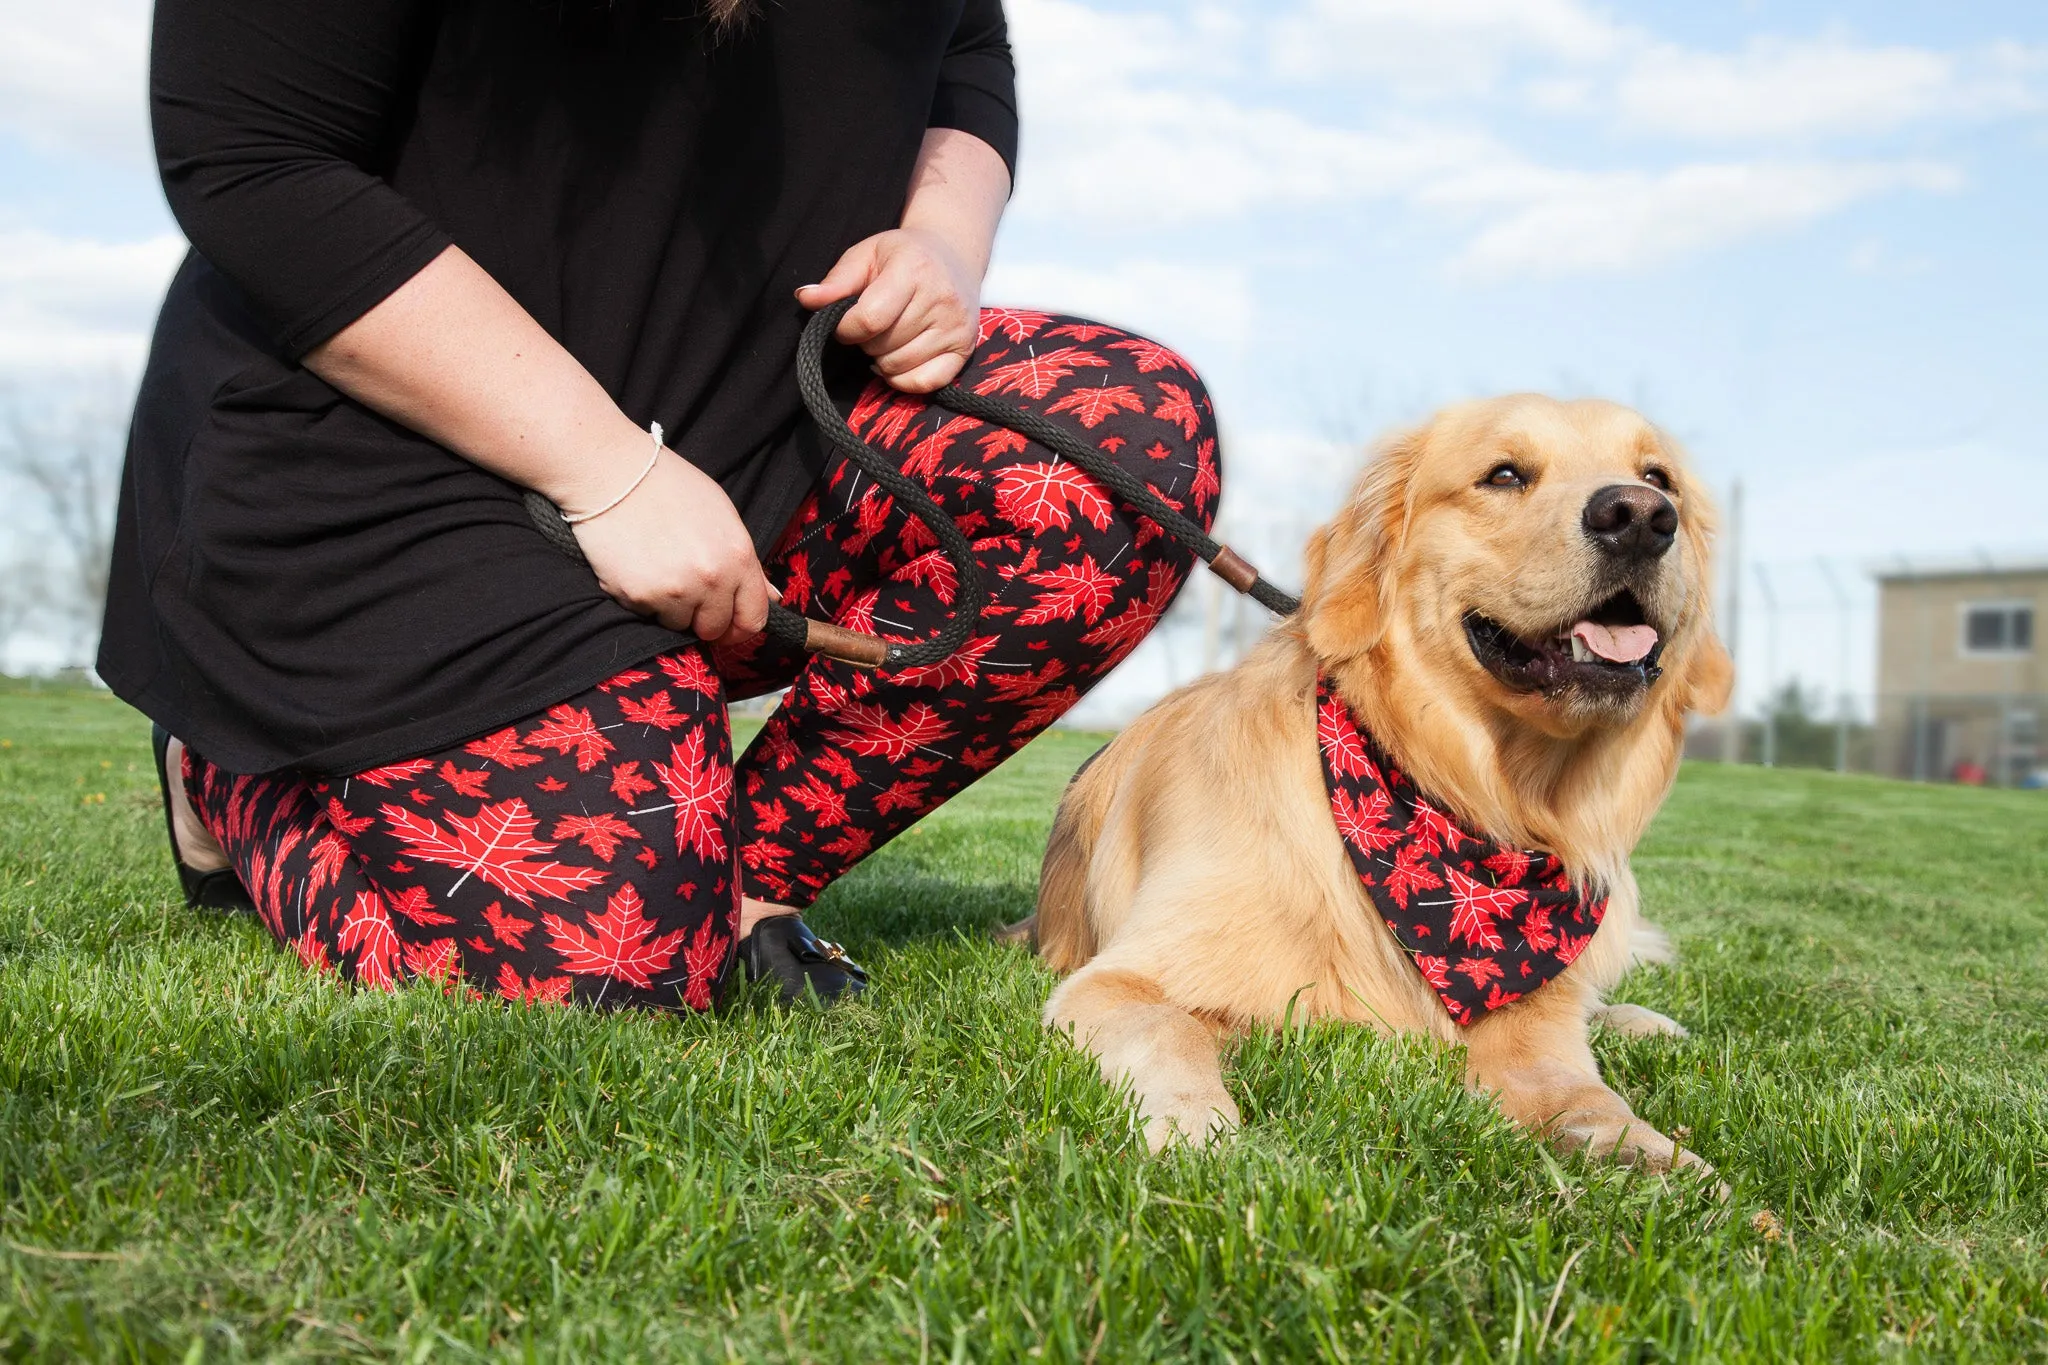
<point>591,18</point>
<point>729,15</point>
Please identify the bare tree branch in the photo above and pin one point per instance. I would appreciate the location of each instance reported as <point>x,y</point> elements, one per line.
<point>66,452</point>
<point>24,592</point>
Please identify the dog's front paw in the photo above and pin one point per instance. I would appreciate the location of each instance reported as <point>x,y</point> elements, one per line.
<point>1634,1021</point>
<point>1196,1119</point>
<point>1626,1139</point>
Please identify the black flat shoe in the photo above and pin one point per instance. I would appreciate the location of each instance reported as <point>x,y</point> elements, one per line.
<point>220,890</point>
<point>783,949</point>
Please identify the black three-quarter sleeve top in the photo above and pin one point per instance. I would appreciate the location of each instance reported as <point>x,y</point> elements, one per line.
<point>298,582</point>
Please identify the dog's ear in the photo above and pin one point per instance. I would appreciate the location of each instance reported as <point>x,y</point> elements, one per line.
<point>1707,677</point>
<point>1347,597</point>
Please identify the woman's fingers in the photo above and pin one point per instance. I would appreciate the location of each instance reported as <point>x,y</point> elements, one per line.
<point>849,275</point>
<point>915,317</point>
<point>906,353</point>
<point>931,376</point>
<point>918,348</point>
<point>714,613</point>
<point>749,614</point>
<point>916,331</point>
<point>931,358</point>
<point>750,606</point>
<point>878,320</point>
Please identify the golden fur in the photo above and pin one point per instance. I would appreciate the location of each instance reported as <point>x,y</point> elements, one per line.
<point>1195,883</point>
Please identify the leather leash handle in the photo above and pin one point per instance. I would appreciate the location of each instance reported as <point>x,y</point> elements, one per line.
<point>785,627</point>
<point>837,642</point>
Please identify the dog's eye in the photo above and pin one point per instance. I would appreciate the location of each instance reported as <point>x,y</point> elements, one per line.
<point>1657,478</point>
<point>1507,476</point>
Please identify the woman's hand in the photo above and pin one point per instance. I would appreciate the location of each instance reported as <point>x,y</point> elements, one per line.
<point>919,309</point>
<point>919,313</point>
<point>676,550</point>
<point>454,357</point>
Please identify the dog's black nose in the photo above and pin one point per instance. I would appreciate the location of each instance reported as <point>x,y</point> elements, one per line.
<point>1631,521</point>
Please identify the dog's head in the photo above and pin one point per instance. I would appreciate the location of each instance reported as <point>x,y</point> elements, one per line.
<point>1547,559</point>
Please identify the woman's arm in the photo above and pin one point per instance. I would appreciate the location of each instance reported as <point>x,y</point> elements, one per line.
<point>920,285</point>
<point>454,357</point>
<point>270,117</point>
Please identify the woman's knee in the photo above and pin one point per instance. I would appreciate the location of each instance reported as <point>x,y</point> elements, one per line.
<point>1149,384</point>
<point>1141,403</point>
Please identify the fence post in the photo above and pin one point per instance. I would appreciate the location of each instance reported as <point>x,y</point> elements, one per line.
<point>1731,637</point>
<point>1763,582</point>
<point>1916,734</point>
<point>1841,667</point>
<point>2001,775</point>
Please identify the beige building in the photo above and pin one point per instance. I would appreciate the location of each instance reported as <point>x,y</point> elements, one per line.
<point>1960,678</point>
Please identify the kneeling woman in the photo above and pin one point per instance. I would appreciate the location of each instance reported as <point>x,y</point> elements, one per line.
<point>445,253</point>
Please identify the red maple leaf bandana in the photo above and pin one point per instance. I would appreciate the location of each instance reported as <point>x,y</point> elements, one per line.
<point>1484,924</point>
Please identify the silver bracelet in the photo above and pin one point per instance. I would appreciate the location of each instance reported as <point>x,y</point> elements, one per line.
<point>654,430</point>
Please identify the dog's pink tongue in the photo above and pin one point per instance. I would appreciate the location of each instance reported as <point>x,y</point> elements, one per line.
<point>1616,644</point>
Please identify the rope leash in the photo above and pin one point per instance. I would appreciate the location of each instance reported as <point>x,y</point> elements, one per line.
<point>793,631</point>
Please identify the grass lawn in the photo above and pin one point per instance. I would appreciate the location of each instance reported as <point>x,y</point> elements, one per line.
<point>206,1153</point>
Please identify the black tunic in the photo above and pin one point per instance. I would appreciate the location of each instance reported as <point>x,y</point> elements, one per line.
<point>298,582</point>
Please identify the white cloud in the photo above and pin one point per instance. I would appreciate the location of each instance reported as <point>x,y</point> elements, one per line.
<point>1207,310</point>
<point>1130,122</point>
<point>1580,60</point>
<point>1779,89</point>
<point>1072,45</point>
<point>73,76</point>
<point>1152,159</point>
<point>1439,46</point>
<point>69,303</point>
<point>1563,222</point>
<point>1871,256</point>
<point>1138,122</point>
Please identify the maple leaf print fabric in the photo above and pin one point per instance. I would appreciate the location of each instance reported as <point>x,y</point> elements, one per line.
<point>1484,924</point>
<point>581,855</point>
<point>596,851</point>
<point>851,758</point>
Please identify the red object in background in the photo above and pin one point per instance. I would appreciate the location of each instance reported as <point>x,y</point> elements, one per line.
<point>1968,773</point>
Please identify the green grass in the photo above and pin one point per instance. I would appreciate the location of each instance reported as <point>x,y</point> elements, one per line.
<point>207,1154</point>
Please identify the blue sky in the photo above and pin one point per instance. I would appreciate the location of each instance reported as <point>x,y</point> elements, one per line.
<point>1804,237</point>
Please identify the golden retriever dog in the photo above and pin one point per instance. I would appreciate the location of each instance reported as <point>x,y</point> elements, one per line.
<point>1514,606</point>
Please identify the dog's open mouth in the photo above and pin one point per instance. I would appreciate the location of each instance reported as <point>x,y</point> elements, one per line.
<point>1611,650</point>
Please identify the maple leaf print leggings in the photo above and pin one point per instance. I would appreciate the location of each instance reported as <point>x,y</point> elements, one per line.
<point>598,851</point>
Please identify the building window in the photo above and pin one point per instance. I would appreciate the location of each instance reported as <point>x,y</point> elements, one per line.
<point>1998,628</point>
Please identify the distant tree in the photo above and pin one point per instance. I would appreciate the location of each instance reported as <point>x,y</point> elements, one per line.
<point>1806,733</point>
<point>66,454</point>
<point>23,593</point>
